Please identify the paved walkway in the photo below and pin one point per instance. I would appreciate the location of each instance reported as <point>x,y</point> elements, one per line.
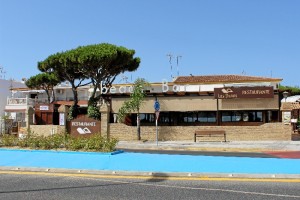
<point>162,164</point>
<point>284,149</point>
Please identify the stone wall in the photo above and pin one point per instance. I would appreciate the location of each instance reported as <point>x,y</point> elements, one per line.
<point>266,132</point>
<point>47,130</point>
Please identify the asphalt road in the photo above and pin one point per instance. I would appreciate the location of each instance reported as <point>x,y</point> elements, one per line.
<point>37,186</point>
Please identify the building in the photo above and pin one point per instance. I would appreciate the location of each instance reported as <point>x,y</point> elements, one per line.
<point>5,91</point>
<point>246,107</point>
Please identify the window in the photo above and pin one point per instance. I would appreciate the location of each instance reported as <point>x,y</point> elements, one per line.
<point>226,117</point>
<point>239,116</point>
<point>146,117</point>
<point>207,117</point>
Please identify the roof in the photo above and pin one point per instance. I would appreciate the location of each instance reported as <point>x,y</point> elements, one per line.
<point>290,106</point>
<point>224,79</point>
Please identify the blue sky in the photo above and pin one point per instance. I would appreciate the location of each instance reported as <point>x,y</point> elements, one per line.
<point>251,37</point>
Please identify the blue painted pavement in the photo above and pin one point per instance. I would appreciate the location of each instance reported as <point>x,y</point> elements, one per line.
<point>143,162</point>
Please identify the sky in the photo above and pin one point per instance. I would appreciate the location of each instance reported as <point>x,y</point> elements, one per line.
<point>207,37</point>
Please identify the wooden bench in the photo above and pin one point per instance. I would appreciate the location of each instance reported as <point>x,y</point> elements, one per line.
<point>210,133</point>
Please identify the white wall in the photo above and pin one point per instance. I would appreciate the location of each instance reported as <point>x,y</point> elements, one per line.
<point>5,86</point>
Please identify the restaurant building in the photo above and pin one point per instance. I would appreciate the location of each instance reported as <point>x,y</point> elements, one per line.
<point>246,107</point>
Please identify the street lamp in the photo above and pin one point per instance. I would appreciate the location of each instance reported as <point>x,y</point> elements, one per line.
<point>285,95</point>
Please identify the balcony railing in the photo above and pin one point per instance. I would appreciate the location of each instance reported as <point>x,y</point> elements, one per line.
<point>20,101</point>
<point>29,101</point>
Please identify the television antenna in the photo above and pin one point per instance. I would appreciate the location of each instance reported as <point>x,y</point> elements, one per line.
<point>177,62</point>
<point>2,73</point>
<point>170,61</point>
<point>124,78</point>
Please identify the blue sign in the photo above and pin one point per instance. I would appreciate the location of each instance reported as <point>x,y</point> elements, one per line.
<point>156,106</point>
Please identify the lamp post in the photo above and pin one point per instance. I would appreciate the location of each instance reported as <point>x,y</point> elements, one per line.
<point>285,95</point>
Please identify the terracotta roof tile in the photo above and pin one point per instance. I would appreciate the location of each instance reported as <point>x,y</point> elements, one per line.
<point>223,79</point>
<point>290,106</point>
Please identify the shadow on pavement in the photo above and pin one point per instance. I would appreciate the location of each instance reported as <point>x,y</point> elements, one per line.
<point>158,177</point>
<point>203,153</point>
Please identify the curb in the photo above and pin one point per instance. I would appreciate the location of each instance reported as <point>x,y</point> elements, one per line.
<point>155,175</point>
<point>63,151</point>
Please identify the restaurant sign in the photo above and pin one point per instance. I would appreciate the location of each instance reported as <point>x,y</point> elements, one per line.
<point>84,126</point>
<point>243,92</point>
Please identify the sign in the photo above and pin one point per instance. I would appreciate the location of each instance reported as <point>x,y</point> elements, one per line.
<point>156,106</point>
<point>294,120</point>
<point>44,107</point>
<point>244,92</point>
<point>61,119</point>
<point>84,126</point>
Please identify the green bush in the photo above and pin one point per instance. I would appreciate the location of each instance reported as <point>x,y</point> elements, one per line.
<point>33,141</point>
<point>109,145</point>
<point>9,140</point>
<point>75,143</point>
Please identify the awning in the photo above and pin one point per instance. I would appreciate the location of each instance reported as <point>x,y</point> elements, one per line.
<point>15,110</point>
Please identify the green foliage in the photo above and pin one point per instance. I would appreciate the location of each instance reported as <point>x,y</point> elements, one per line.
<point>45,81</point>
<point>136,99</point>
<point>134,103</point>
<point>293,90</point>
<point>97,63</point>
<point>93,109</point>
<point>73,111</point>
<point>56,141</point>
<point>5,117</point>
<point>76,143</point>
<point>109,145</point>
<point>9,140</point>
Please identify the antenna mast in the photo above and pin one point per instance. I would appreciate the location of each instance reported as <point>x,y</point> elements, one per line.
<point>2,73</point>
<point>170,61</point>
<point>177,60</point>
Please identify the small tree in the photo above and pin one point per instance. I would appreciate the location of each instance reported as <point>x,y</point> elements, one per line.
<point>45,81</point>
<point>134,103</point>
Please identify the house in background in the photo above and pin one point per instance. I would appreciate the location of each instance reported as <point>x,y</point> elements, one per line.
<point>5,91</point>
<point>28,106</point>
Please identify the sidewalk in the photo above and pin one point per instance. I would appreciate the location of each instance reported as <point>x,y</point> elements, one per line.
<point>234,146</point>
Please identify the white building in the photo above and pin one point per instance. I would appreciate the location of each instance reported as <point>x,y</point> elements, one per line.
<point>5,92</point>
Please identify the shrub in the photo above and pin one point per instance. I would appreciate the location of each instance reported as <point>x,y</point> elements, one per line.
<point>9,140</point>
<point>110,145</point>
<point>57,141</point>
<point>33,141</point>
<point>75,144</point>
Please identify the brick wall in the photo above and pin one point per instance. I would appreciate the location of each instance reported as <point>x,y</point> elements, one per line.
<point>46,130</point>
<point>265,132</point>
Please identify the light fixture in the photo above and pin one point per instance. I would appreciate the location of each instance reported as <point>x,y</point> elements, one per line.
<point>285,95</point>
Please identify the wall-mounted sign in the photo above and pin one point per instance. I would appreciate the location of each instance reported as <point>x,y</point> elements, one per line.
<point>44,107</point>
<point>244,92</point>
<point>84,126</point>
